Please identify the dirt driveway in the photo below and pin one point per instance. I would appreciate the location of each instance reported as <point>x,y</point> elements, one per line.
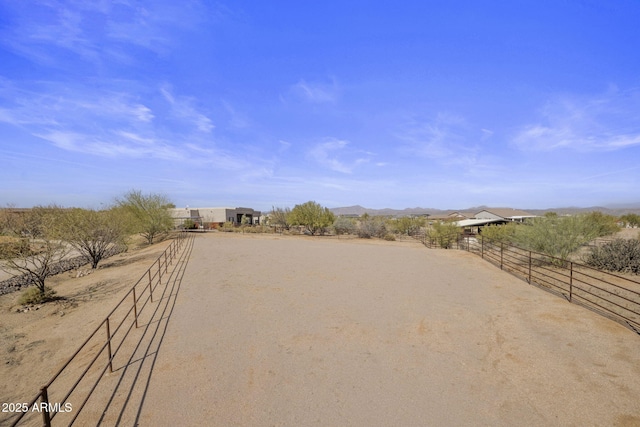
<point>295,331</point>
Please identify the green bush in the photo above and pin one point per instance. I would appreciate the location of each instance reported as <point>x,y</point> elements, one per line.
<point>408,225</point>
<point>500,233</point>
<point>444,234</point>
<point>620,255</point>
<point>561,236</point>
<point>33,295</point>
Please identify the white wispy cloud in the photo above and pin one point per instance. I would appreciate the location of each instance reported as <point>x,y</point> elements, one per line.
<point>183,108</point>
<point>446,138</point>
<point>107,123</point>
<point>123,145</point>
<point>327,154</point>
<point>315,92</point>
<point>96,31</point>
<point>436,138</point>
<point>236,119</point>
<point>599,123</point>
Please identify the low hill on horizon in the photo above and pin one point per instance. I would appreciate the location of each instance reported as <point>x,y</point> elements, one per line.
<point>616,210</point>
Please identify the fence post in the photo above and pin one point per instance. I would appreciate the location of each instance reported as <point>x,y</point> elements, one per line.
<point>482,248</point>
<point>501,251</point>
<point>150,287</point>
<point>529,267</point>
<point>159,272</point>
<point>46,417</point>
<point>109,345</point>
<point>166,266</point>
<point>570,280</point>
<point>135,307</point>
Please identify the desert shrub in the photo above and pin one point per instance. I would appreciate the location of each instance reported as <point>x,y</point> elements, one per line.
<point>13,246</point>
<point>32,295</point>
<point>631,220</point>
<point>257,229</point>
<point>344,226</point>
<point>390,237</point>
<point>599,224</point>
<point>444,234</point>
<point>371,227</point>
<point>561,236</point>
<point>408,225</point>
<point>500,233</point>
<point>620,255</point>
<point>189,224</point>
<point>228,227</point>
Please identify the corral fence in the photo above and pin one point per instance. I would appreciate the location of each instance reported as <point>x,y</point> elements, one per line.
<point>612,295</point>
<point>79,377</point>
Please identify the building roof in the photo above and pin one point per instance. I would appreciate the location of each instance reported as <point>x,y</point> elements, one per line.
<point>476,222</point>
<point>507,213</point>
<point>459,214</point>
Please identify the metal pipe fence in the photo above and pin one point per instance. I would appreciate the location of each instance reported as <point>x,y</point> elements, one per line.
<point>81,374</point>
<point>612,295</point>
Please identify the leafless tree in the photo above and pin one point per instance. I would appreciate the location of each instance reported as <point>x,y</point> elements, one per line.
<point>39,226</point>
<point>94,233</point>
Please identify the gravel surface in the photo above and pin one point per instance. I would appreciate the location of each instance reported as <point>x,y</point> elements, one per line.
<point>297,331</point>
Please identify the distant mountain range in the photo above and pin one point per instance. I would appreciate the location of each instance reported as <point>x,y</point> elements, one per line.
<point>615,210</point>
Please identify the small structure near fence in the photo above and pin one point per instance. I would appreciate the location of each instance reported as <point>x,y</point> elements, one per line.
<point>612,295</point>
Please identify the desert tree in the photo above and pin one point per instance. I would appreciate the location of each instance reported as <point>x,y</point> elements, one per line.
<point>148,213</point>
<point>409,226</point>
<point>40,227</point>
<point>280,217</point>
<point>504,233</point>
<point>312,216</point>
<point>560,236</point>
<point>94,234</point>
<point>444,234</point>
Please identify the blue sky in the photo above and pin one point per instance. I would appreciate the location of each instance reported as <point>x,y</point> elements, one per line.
<point>527,104</point>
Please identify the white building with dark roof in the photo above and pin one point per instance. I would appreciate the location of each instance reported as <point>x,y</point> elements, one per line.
<point>214,217</point>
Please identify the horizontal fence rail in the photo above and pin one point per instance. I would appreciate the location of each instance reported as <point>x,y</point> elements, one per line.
<point>80,375</point>
<point>612,295</point>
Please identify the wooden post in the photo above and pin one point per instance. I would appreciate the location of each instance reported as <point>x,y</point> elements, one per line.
<point>529,267</point>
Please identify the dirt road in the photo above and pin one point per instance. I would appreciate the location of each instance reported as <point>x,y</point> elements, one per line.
<point>277,331</point>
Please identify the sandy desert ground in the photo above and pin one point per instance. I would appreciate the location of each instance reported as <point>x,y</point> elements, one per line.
<point>269,330</point>
<point>34,343</point>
